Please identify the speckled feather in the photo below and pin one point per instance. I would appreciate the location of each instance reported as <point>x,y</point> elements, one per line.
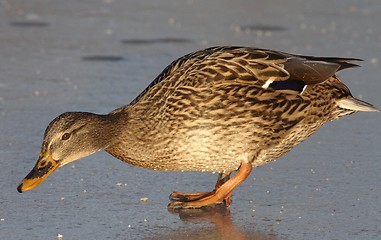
<point>214,109</point>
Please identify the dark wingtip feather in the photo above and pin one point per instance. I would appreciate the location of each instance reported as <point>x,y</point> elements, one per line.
<point>347,63</point>
<point>343,62</point>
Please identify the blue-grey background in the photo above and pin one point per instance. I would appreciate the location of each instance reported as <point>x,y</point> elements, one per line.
<point>96,55</point>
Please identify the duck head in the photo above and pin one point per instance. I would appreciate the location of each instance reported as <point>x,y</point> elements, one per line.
<point>69,137</point>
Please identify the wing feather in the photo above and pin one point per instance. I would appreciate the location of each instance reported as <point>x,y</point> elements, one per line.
<point>258,67</point>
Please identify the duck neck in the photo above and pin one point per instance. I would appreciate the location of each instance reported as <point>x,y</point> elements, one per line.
<point>104,130</point>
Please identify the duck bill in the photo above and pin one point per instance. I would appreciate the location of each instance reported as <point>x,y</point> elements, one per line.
<point>44,167</point>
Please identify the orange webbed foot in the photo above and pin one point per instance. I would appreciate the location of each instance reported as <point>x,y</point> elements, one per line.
<point>221,194</point>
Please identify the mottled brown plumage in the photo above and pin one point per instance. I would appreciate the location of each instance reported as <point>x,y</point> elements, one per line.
<point>221,109</point>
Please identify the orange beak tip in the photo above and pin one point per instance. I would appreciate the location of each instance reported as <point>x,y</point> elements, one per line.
<point>44,167</point>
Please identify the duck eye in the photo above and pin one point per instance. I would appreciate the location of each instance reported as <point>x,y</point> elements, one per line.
<point>66,136</point>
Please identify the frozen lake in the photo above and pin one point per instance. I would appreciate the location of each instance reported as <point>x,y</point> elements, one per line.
<point>58,56</point>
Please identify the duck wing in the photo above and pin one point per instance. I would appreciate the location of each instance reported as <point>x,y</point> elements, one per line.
<point>259,67</point>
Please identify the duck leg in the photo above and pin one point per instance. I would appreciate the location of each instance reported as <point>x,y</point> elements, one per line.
<point>222,193</point>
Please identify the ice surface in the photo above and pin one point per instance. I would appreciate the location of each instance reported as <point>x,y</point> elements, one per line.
<point>58,56</point>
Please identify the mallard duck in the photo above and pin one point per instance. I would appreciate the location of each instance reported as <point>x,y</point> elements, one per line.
<point>222,109</point>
